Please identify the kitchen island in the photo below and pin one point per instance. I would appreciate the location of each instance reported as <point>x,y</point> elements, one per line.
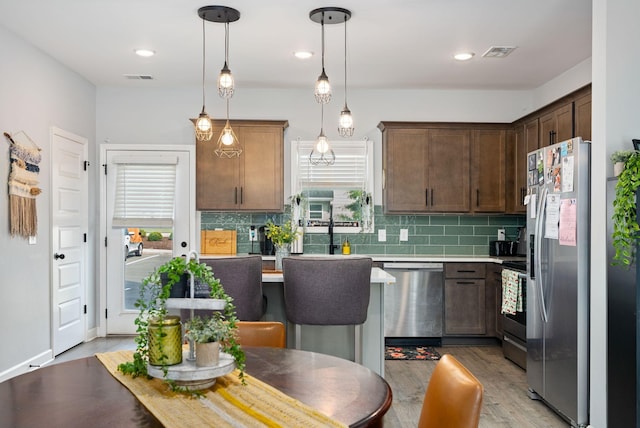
<point>337,340</point>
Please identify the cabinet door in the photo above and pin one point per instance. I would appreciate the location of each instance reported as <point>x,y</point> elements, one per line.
<point>532,135</point>
<point>261,170</point>
<point>251,182</point>
<point>448,171</point>
<point>517,171</point>
<point>217,179</point>
<point>488,168</point>
<point>404,170</point>
<point>464,307</point>
<point>557,125</point>
<point>582,108</point>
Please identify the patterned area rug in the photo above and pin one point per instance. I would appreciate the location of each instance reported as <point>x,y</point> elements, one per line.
<point>411,353</point>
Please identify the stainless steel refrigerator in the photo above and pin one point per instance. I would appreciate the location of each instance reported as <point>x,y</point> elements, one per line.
<point>558,222</point>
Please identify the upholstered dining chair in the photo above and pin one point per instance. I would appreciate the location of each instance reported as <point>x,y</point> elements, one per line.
<point>327,291</point>
<point>453,398</point>
<point>262,333</point>
<point>241,278</point>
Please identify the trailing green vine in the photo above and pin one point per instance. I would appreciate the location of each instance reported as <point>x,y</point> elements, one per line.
<point>152,304</point>
<point>625,224</point>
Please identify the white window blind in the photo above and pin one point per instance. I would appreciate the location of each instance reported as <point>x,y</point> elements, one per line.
<point>145,190</point>
<point>350,170</point>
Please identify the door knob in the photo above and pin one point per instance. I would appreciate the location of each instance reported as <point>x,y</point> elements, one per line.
<point>58,256</point>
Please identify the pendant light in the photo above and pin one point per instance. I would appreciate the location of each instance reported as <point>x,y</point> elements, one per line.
<point>326,15</point>
<point>228,144</point>
<point>323,87</point>
<point>203,125</point>
<point>345,128</point>
<point>225,79</point>
<point>322,153</point>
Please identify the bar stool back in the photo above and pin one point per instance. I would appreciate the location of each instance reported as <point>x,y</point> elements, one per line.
<point>327,291</point>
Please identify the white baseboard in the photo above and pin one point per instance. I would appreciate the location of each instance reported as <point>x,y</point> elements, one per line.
<point>27,366</point>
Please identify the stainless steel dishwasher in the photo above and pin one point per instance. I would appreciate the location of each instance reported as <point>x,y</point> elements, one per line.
<point>413,305</point>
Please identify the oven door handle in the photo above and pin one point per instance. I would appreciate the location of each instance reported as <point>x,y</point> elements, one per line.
<point>514,343</point>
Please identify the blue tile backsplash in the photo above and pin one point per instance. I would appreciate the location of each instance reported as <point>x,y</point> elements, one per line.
<point>434,234</point>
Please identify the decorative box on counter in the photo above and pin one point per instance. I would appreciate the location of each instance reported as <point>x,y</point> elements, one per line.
<point>221,242</point>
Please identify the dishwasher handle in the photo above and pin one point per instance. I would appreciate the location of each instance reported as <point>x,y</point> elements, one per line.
<point>413,266</point>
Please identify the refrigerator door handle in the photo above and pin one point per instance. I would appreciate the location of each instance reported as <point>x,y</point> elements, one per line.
<point>538,252</point>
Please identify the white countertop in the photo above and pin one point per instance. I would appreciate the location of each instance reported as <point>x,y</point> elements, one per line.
<point>401,258</point>
<point>377,276</point>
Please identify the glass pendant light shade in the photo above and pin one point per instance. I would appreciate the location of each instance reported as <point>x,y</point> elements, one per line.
<point>228,143</point>
<point>322,153</point>
<point>225,82</point>
<point>346,123</point>
<point>204,127</point>
<point>225,79</point>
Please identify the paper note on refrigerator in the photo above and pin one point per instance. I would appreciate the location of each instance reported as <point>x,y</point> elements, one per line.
<point>568,214</point>
<point>552,216</point>
<point>567,174</point>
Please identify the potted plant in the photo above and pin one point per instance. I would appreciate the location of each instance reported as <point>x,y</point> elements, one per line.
<point>619,158</point>
<point>209,333</point>
<point>625,223</point>
<point>281,237</point>
<point>152,305</point>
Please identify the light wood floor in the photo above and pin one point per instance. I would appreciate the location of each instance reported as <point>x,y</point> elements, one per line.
<point>505,401</point>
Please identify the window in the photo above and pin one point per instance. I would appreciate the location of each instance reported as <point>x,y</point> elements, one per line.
<point>145,190</point>
<point>340,192</point>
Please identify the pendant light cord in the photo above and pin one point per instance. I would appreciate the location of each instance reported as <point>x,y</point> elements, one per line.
<point>226,43</point>
<point>203,62</point>
<point>345,61</point>
<point>322,26</point>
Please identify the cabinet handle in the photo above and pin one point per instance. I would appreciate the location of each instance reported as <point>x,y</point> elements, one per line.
<point>466,271</point>
<point>426,197</point>
<point>235,195</point>
<point>241,199</point>
<point>431,197</point>
<point>465,282</point>
<point>477,197</point>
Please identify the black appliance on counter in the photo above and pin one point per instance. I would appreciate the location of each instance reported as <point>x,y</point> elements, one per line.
<point>514,327</point>
<point>266,246</point>
<point>502,248</point>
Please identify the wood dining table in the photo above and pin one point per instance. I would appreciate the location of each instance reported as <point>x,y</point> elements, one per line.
<point>82,392</point>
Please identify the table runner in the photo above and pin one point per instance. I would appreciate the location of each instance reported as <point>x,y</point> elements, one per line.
<point>226,404</point>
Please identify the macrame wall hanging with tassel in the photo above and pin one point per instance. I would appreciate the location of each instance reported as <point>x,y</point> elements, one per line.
<point>23,185</point>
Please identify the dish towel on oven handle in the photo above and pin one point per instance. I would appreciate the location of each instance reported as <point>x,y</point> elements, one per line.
<point>511,292</point>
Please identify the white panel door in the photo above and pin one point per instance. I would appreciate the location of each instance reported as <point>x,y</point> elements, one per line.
<point>126,270</point>
<point>69,187</point>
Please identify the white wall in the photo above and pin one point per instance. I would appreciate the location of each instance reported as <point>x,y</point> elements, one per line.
<point>615,121</point>
<point>37,93</point>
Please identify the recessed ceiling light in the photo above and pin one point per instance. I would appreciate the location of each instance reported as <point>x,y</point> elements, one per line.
<point>303,54</point>
<point>145,52</point>
<point>464,56</point>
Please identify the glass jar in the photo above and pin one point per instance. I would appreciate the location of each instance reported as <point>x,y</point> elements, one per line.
<point>165,341</point>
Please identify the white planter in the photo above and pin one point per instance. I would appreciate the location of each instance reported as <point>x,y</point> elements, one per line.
<point>207,354</point>
<point>617,168</point>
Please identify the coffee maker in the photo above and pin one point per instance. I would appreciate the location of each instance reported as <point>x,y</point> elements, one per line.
<point>266,246</point>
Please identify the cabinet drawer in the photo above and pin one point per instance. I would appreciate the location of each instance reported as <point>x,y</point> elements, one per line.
<point>464,307</point>
<point>464,270</point>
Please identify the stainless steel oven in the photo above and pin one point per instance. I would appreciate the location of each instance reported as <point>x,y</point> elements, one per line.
<point>514,342</point>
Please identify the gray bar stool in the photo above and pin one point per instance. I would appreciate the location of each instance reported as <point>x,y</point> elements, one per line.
<point>327,291</point>
<point>241,278</point>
